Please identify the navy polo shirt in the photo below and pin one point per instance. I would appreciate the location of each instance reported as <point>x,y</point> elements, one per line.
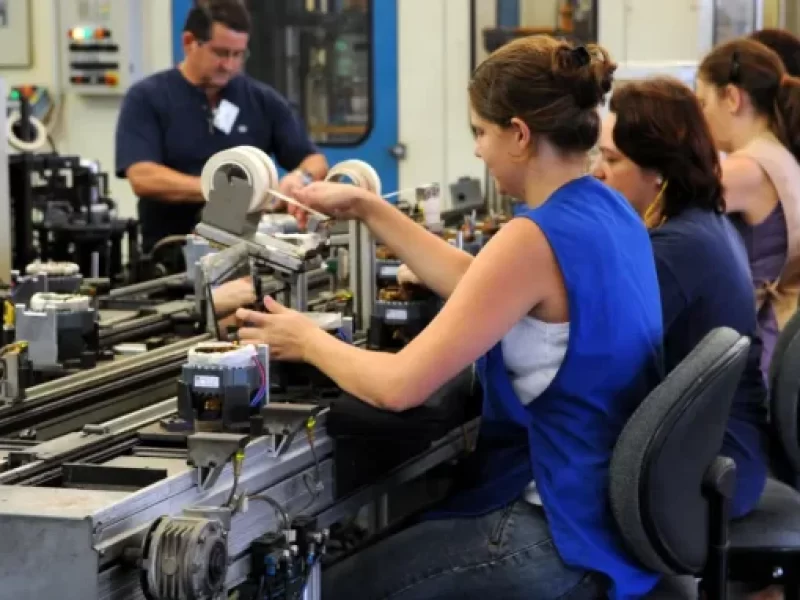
<point>704,278</point>
<point>166,120</point>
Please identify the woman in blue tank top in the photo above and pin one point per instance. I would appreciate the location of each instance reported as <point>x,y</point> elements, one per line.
<point>560,310</point>
<point>657,150</point>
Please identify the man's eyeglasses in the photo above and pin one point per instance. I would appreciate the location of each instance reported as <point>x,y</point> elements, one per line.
<point>225,53</point>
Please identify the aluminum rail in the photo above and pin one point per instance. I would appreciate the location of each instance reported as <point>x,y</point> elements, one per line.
<point>111,389</point>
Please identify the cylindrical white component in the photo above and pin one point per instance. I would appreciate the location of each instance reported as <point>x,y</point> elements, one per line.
<point>54,269</point>
<point>278,223</point>
<point>431,199</point>
<point>360,173</point>
<point>255,165</point>
<point>221,354</point>
<point>66,302</point>
<point>39,137</point>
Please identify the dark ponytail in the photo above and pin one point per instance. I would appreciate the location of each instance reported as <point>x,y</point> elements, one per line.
<point>787,114</point>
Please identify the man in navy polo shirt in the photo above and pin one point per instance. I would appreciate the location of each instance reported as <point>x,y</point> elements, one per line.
<point>173,121</point>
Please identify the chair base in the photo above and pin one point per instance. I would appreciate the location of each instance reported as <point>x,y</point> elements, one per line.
<point>766,567</point>
<point>719,483</point>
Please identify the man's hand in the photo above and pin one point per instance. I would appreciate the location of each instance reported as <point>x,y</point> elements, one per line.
<point>232,295</point>
<point>289,186</point>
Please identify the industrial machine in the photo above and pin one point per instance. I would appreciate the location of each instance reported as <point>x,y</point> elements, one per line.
<point>60,205</point>
<point>118,509</point>
<point>401,311</point>
<point>5,203</point>
<point>203,467</point>
<point>129,507</point>
<point>61,211</point>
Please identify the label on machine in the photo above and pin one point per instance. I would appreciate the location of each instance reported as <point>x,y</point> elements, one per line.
<point>389,272</point>
<point>398,315</point>
<point>206,381</point>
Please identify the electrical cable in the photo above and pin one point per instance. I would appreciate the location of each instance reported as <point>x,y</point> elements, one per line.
<point>39,134</point>
<point>262,390</point>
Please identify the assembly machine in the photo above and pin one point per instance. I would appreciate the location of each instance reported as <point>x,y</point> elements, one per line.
<point>202,469</point>
<point>61,209</point>
<point>131,509</point>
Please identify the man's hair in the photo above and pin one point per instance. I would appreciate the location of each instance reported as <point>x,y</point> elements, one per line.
<point>232,14</point>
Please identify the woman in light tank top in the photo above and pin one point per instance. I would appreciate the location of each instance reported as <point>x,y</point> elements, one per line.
<point>753,109</point>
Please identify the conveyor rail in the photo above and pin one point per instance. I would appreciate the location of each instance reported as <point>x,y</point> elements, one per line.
<point>122,383</point>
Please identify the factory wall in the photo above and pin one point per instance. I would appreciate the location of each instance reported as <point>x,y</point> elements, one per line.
<point>85,125</point>
<point>434,49</point>
<point>434,67</point>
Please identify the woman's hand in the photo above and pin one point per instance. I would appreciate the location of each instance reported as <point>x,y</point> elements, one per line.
<point>286,331</point>
<point>232,295</point>
<point>406,276</point>
<point>341,201</point>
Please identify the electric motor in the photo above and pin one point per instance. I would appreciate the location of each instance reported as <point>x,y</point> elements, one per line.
<point>59,328</point>
<point>222,384</point>
<point>184,558</point>
<point>52,269</point>
<point>59,277</point>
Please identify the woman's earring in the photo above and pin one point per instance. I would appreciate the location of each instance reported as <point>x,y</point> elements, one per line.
<point>659,181</point>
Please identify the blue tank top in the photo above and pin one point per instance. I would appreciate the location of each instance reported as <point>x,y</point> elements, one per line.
<point>564,439</point>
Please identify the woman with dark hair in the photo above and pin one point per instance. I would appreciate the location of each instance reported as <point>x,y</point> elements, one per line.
<point>783,43</point>
<point>560,310</point>
<point>752,106</point>
<point>656,149</point>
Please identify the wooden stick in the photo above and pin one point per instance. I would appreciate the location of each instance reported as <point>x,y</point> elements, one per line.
<point>294,202</point>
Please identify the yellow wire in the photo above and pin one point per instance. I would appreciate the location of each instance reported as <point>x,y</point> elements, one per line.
<point>8,314</point>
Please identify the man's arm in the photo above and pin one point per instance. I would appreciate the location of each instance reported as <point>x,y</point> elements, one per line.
<point>139,152</point>
<point>157,181</point>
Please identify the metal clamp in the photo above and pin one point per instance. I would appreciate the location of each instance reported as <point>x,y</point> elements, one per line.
<point>282,421</point>
<point>210,452</point>
<point>226,221</point>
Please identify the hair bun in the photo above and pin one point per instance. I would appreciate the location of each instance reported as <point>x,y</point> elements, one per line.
<point>587,71</point>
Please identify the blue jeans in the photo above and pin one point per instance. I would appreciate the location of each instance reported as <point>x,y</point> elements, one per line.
<point>507,554</point>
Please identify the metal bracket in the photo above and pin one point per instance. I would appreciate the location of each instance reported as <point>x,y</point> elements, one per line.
<point>285,420</point>
<point>227,222</point>
<point>11,390</point>
<point>210,452</point>
<point>223,514</point>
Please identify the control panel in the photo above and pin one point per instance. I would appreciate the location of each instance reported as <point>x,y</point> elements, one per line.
<point>101,45</point>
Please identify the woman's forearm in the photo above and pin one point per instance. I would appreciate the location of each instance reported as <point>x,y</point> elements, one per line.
<point>439,265</point>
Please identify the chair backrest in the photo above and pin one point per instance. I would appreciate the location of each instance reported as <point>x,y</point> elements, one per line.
<point>664,451</point>
<point>784,392</point>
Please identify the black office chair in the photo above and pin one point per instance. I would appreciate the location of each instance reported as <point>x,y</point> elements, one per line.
<point>765,545</point>
<point>669,489</point>
<point>784,385</point>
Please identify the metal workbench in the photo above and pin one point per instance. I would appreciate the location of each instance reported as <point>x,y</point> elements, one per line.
<point>82,542</point>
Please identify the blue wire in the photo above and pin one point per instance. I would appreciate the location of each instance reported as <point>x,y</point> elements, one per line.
<point>262,391</point>
<point>259,397</point>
